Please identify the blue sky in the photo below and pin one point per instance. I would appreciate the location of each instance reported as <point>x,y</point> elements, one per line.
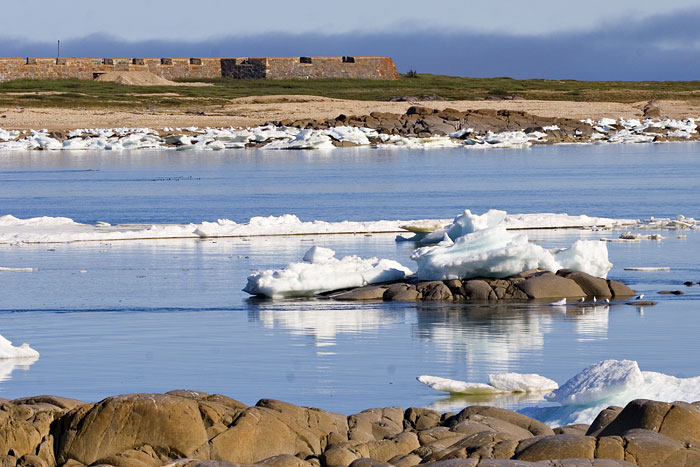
<point>598,39</point>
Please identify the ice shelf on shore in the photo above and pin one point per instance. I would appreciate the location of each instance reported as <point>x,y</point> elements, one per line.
<point>581,398</point>
<point>605,130</point>
<point>320,271</point>
<point>8,351</point>
<point>481,246</point>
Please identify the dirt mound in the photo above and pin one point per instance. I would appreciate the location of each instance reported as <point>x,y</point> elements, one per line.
<point>141,78</point>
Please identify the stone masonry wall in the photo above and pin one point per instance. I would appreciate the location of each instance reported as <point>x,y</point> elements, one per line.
<point>13,68</point>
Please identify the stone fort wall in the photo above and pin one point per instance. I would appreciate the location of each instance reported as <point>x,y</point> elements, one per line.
<point>210,67</point>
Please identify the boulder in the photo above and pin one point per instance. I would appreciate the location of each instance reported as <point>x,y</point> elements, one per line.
<point>375,424</point>
<point>592,286</point>
<point>435,290</point>
<point>679,420</point>
<point>618,289</point>
<point>534,427</point>
<point>577,429</point>
<point>603,419</point>
<point>558,447</point>
<point>369,292</point>
<point>171,425</point>
<point>401,293</point>
<point>422,419</point>
<point>550,286</point>
<point>478,290</point>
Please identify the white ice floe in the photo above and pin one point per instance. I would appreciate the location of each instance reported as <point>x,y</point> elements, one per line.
<point>581,398</point>
<point>503,383</point>
<point>322,272</point>
<point>481,246</point>
<point>7,350</point>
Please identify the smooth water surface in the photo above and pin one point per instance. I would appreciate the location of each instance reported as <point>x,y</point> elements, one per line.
<point>117,317</point>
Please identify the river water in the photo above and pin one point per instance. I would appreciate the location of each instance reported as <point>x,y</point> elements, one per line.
<point>152,316</point>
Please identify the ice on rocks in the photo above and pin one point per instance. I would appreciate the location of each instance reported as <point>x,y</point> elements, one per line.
<point>7,350</point>
<point>483,247</point>
<point>598,382</point>
<point>322,272</point>
<point>306,139</point>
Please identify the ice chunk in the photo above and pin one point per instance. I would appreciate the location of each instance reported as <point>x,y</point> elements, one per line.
<point>503,383</point>
<point>306,139</point>
<point>350,134</point>
<point>322,272</point>
<point>588,256</point>
<point>482,247</point>
<point>599,382</point>
<point>7,350</point>
<point>492,252</point>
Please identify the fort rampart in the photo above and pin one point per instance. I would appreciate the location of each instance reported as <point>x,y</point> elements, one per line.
<point>209,67</point>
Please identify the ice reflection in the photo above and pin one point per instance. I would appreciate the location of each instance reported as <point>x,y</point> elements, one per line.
<point>455,403</point>
<point>324,321</point>
<point>7,366</point>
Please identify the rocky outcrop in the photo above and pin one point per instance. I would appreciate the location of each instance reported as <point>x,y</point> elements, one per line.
<point>195,429</point>
<point>525,286</point>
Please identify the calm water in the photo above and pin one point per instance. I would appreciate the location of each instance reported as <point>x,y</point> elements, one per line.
<point>154,316</point>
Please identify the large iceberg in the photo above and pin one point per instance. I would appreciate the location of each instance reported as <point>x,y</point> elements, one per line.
<point>481,246</point>
<point>321,271</point>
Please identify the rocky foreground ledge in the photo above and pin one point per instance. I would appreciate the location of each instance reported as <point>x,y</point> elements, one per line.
<point>195,429</point>
<point>566,283</point>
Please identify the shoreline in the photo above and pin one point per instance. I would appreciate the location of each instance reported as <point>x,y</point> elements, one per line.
<point>255,111</point>
<point>419,127</point>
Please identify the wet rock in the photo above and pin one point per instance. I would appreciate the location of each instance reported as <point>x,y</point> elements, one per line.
<point>550,286</point>
<point>619,289</point>
<point>670,292</point>
<point>641,303</point>
<point>401,293</point>
<point>370,292</point>
<point>478,290</point>
<point>592,286</point>
<point>689,283</point>
<point>435,290</point>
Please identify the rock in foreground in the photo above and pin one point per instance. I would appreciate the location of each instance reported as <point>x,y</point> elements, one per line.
<point>195,429</point>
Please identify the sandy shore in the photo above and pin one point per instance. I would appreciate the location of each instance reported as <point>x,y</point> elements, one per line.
<point>252,111</point>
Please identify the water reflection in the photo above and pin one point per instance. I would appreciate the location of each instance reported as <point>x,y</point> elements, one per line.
<point>456,402</point>
<point>7,366</point>
<point>324,320</point>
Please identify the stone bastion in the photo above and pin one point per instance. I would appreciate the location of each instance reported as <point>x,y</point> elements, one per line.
<point>13,68</point>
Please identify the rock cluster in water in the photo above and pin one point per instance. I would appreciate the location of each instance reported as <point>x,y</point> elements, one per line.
<point>195,429</point>
<point>566,283</point>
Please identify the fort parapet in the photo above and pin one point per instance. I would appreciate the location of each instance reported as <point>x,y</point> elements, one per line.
<point>209,67</point>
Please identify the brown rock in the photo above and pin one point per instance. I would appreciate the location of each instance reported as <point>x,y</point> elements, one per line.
<point>370,292</point>
<point>646,448</point>
<point>400,444</point>
<point>422,419</point>
<point>603,419</point>
<point>401,293</point>
<point>170,424</point>
<point>477,290</point>
<point>618,289</point>
<point>375,424</point>
<point>578,429</point>
<point>338,457</point>
<point>550,286</point>
<point>592,286</point>
<point>535,427</point>
<point>434,290</point>
<point>639,413</point>
<point>558,447</point>
<point>610,447</point>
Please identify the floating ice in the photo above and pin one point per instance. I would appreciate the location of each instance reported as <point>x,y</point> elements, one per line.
<point>322,272</point>
<point>7,350</point>
<point>482,247</point>
<point>306,139</point>
<point>504,383</point>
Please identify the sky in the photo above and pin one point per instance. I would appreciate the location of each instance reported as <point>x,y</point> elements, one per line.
<point>596,39</point>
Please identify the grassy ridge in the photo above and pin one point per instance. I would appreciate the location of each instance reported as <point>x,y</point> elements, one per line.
<point>72,93</point>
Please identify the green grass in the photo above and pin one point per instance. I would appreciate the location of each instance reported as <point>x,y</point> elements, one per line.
<point>73,93</point>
